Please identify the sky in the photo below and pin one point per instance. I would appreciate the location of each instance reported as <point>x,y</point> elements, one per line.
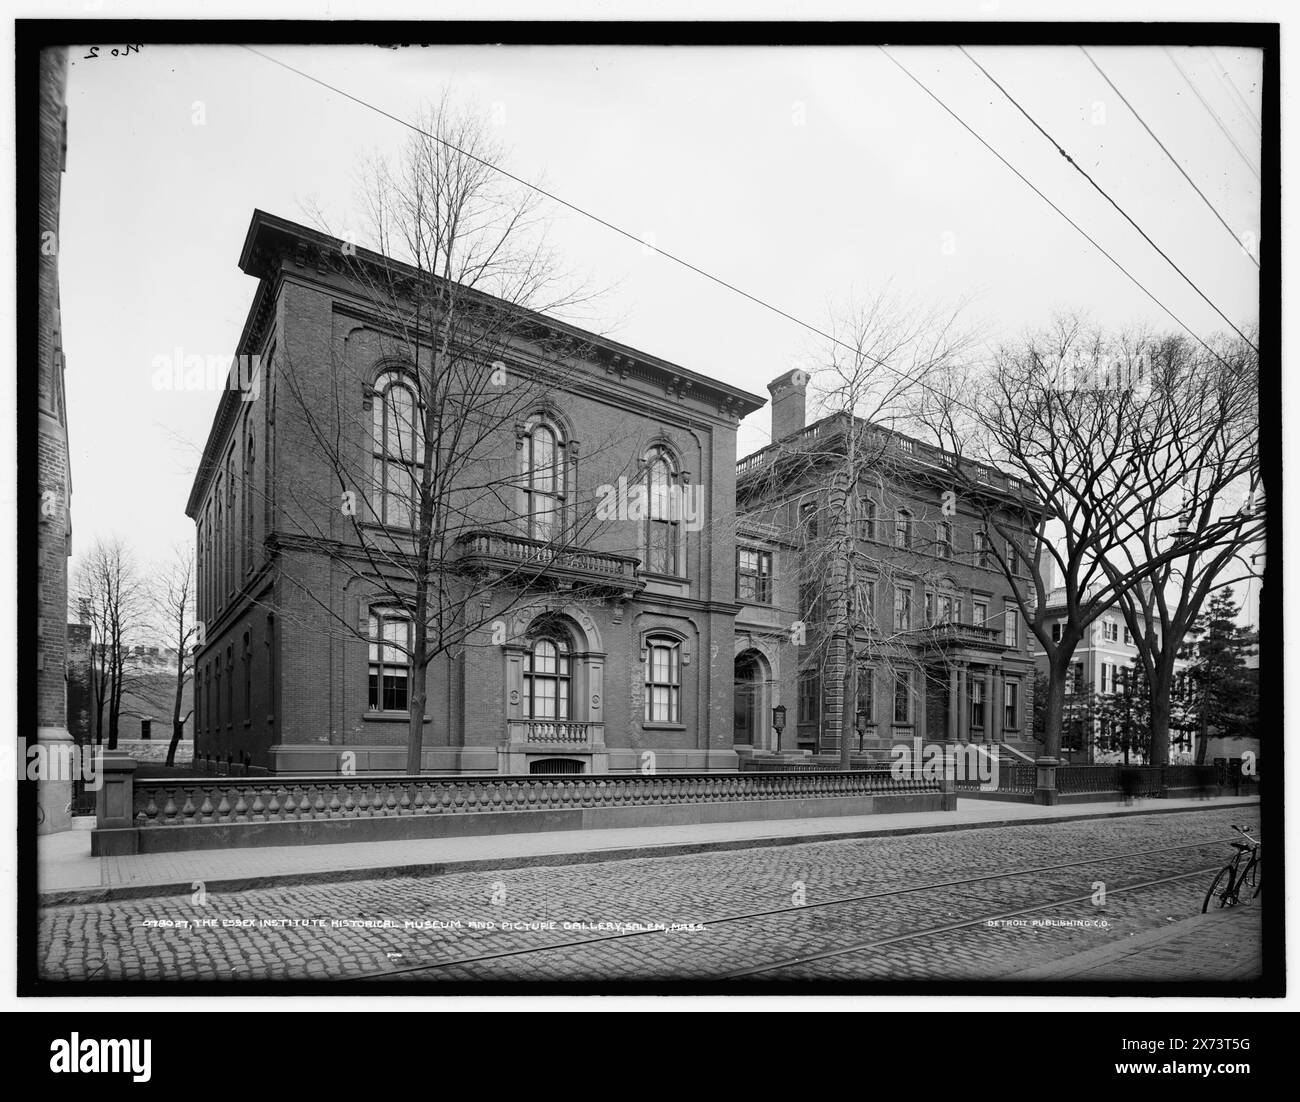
<point>801,175</point>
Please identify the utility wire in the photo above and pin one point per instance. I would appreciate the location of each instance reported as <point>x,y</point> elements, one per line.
<point>1226,77</point>
<point>816,330</point>
<point>1213,114</point>
<point>622,232</point>
<point>1103,193</point>
<point>1084,233</point>
<point>1172,159</point>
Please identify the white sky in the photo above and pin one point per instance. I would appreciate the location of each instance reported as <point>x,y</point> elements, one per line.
<point>699,148</point>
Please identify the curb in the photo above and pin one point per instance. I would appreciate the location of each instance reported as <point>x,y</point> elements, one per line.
<point>1071,968</point>
<point>113,893</point>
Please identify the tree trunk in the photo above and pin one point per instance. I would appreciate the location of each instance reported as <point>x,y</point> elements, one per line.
<point>1055,712</point>
<point>177,726</point>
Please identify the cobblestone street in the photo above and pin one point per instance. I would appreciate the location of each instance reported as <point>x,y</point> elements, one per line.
<point>759,908</point>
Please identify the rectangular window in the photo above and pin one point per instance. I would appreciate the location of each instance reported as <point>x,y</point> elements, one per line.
<point>980,542</point>
<point>1128,637</point>
<point>943,540</point>
<point>1013,558</point>
<point>867,693</point>
<point>1009,618</point>
<point>977,704</point>
<point>929,608</point>
<point>980,614</point>
<point>869,603</point>
<point>810,694</point>
<point>662,681</point>
<point>903,530</point>
<point>903,697</point>
<point>902,608</point>
<point>1056,632</point>
<point>808,519</point>
<point>946,605</point>
<point>867,519</point>
<point>754,575</point>
<point>390,663</point>
<point>1112,631</point>
<point>1011,706</point>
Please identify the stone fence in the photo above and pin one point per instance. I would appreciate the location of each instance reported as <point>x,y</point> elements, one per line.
<point>152,816</point>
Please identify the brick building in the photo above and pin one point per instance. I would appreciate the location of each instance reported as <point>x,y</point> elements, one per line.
<point>619,643</point>
<point>939,642</point>
<point>54,534</point>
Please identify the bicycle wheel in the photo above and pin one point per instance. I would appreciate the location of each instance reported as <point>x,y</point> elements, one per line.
<point>1224,878</point>
<point>1250,878</point>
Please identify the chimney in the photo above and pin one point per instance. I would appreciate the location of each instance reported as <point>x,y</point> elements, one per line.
<point>788,412</point>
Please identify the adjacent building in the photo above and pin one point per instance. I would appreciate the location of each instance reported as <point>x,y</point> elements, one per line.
<point>904,581</point>
<point>54,533</point>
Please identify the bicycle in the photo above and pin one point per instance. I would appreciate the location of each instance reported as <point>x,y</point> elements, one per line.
<point>1230,884</point>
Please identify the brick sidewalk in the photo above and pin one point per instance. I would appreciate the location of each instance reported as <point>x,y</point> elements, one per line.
<point>66,873</point>
<point>1220,945</point>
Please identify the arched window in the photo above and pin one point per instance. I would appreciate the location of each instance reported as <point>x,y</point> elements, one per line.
<point>544,482</point>
<point>249,516</point>
<point>547,670</point>
<point>232,562</point>
<point>397,450</point>
<point>219,546</point>
<point>663,514</point>
<point>663,680</point>
<point>230,684</point>
<point>270,663</point>
<point>248,678</point>
<point>390,660</point>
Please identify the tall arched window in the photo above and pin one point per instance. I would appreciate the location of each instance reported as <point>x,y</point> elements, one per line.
<point>547,670</point>
<point>248,677</point>
<point>544,483</point>
<point>232,519</point>
<point>219,547</point>
<point>250,521</point>
<point>663,514</point>
<point>398,451</point>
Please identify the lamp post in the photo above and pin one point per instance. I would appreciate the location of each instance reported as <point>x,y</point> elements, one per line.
<point>861,724</point>
<point>778,724</point>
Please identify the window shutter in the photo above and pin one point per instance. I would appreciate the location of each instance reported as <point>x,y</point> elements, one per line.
<point>363,616</point>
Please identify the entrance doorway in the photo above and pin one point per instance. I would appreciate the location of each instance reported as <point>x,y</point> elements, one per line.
<point>748,693</point>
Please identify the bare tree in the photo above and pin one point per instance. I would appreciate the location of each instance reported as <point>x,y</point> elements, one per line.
<point>850,472</point>
<point>1101,431</point>
<point>172,599</point>
<point>108,591</point>
<point>461,291</point>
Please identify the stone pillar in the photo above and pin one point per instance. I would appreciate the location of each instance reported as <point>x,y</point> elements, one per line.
<point>115,831</point>
<point>953,703</point>
<point>963,695</point>
<point>1045,790</point>
<point>918,728</point>
<point>54,792</point>
<point>988,709</point>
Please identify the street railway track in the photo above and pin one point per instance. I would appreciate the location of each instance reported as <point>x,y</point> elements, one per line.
<point>841,901</point>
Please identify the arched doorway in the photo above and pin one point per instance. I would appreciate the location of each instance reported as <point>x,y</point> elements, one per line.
<point>750,695</point>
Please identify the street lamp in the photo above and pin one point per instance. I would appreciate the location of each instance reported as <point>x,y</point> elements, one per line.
<point>778,724</point>
<point>861,724</point>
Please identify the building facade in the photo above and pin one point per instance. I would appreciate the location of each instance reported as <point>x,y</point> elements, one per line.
<point>607,648</point>
<point>920,604</point>
<point>54,533</point>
